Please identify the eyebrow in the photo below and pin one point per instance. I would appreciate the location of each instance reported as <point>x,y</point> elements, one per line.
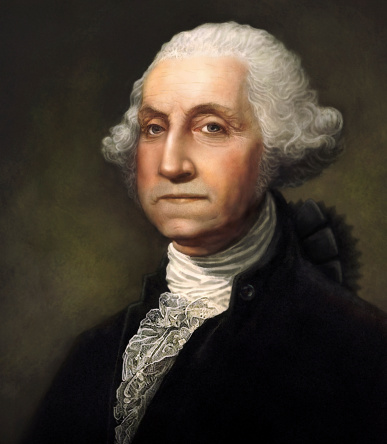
<point>146,110</point>
<point>212,108</point>
<point>204,108</point>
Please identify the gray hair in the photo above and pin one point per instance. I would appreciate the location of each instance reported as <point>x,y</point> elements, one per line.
<point>300,138</point>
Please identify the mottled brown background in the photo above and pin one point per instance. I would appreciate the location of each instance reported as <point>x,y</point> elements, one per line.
<point>73,247</point>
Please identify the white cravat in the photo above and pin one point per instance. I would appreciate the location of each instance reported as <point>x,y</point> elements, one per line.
<point>200,289</point>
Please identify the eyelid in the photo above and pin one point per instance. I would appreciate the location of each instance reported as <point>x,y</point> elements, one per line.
<point>146,129</point>
<point>149,127</point>
<point>222,129</point>
<point>214,120</point>
<point>207,119</point>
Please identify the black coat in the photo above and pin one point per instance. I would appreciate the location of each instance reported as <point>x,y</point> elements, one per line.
<point>295,359</point>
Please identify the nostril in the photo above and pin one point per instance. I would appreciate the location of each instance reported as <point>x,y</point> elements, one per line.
<point>184,177</point>
<point>177,170</point>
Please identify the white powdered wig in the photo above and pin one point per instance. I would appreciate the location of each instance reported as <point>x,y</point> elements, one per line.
<point>300,137</point>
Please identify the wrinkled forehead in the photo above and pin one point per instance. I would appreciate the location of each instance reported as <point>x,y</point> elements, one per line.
<point>197,79</point>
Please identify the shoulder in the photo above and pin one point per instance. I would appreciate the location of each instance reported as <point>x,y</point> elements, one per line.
<point>320,314</point>
<point>79,397</point>
<point>107,331</point>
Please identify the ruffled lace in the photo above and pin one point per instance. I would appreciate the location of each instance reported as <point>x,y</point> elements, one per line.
<point>151,353</point>
<point>200,289</point>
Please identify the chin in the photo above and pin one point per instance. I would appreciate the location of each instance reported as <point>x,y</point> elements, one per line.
<point>182,229</point>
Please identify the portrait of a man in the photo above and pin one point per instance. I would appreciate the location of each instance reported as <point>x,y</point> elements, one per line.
<point>193,225</point>
<point>248,328</point>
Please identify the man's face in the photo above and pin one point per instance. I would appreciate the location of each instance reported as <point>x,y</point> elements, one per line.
<point>199,153</point>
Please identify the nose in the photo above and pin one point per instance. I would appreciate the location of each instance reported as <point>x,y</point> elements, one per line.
<point>176,163</point>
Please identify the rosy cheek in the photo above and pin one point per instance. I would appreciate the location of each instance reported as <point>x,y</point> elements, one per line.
<point>230,163</point>
<point>146,168</point>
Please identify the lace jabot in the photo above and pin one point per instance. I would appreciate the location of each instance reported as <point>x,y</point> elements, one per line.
<point>200,288</point>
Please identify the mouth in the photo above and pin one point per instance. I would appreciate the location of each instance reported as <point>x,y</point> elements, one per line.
<point>181,198</point>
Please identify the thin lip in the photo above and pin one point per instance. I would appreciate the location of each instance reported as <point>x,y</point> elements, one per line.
<point>182,196</point>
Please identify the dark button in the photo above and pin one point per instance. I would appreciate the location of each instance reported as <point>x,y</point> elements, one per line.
<point>247,292</point>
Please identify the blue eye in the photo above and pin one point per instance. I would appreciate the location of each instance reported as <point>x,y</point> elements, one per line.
<point>212,128</point>
<point>155,130</point>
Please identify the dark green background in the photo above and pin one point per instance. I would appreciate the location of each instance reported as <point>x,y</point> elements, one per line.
<point>73,247</point>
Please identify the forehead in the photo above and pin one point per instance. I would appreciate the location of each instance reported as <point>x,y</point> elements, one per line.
<point>195,80</point>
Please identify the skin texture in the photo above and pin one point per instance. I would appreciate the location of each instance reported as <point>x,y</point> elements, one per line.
<point>199,153</point>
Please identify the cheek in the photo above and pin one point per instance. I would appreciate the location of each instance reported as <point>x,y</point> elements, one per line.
<point>248,169</point>
<point>235,175</point>
<point>146,165</point>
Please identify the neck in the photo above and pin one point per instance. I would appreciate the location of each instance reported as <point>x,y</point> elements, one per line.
<point>183,271</point>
